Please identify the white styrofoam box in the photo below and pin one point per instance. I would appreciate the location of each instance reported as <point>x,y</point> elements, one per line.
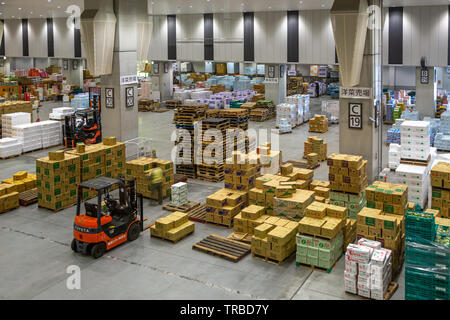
<point>10,147</point>
<point>416,127</point>
<point>63,110</point>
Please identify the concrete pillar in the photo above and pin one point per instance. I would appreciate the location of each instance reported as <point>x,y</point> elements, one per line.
<point>122,121</point>
<point>426,93</point>
<point>276,88</point>
<point>366,141</point>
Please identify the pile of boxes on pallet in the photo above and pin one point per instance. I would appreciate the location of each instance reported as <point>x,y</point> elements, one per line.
<point>440,183</point>
<point>319,123</point>
<point>417,179</point>
<point>141,170</point>
<point>427,256</point>
<point>316,145</point>
<point>51,133</point>
<point>242,170</point>
<point>302,102</point>
<point>9,107</point>
<point>10,147</point>
<point>368,269</point>
<point>270,159</point>
<point>273,239</point>
<point>14,119</point>
<point>322,190</point>
<point>60,113</point>
<point>284,126</point>
<point>179,194</point>
<point>320,239</point>
<point>174,227</point>
<point>30,135</point>
<point>115,157</point>
<point>9,197</point>
<point>415,138</point>
<point>388,229</point>
<point>21,181</point>
<point>58,176</point>
<point>288,113</point>
<point>395,155</point>
<point>223,206</point>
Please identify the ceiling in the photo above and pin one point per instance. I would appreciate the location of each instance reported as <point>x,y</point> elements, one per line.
<point>9,9</point>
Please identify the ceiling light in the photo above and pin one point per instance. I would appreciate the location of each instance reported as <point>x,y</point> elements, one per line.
<point>19,8</point>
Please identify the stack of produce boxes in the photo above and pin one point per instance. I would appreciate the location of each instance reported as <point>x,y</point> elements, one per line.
<point>241,171</point>
<point>58,176</point>
<point>141,170</point>
<point>22,181</point>
<point>274,239</point>
<point>319,124</point>
<point>368,269</point>
<point>115,157</point>
<point>320,239</point>
<point>179,192</point>
<point>316,145</point>
<point>440,182</point>
<point>427,275</point>
<point>224,205</point>
<point>387,229</point>
<point>174,227</point>
<point>9,198</point>
<point>271,160</point>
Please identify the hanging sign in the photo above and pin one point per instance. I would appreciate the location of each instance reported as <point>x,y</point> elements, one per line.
<point>125,80</point>
<point>355,93</point>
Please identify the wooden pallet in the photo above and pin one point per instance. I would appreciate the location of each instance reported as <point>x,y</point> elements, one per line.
<point>272,261</point>
<point>184,208</point>
<point>225,248</point>
<point>393,286</point>
<point>179,178</point>
<point>198,214</point>
<point>28,197</point>
<point>210,179</point>
<point>416,162</point>
<point>220,225</point>
<point>172,241</point>
<point>316,268</point>
<point>298,163</point>
<point>241,237</point>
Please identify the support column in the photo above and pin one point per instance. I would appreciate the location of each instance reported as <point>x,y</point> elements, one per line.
<point>275,87</point>
<point>367,140</point>
<point>121,121</point>
<point>426,93</point>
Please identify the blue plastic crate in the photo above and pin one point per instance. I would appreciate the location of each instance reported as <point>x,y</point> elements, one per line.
<point>419,292</point>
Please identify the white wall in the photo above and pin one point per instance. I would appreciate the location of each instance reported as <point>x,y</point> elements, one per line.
<point>158,44</point>
<point>228,37</point>
<point>190,35</point>
<point>399,77</point>
<point>37,38</point>
<point>425,33</point>
<point>316,43</point>
<point>63,39</point>
<point>13,38</point>
<point>271,37</point>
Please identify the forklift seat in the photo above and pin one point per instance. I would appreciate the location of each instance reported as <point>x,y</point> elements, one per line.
<point>91,209</point>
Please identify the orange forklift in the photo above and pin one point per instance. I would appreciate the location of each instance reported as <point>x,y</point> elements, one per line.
<point>109,222</point>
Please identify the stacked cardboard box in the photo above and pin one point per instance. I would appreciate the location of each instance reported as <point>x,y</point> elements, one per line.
<point>319,124</point>
<point>10,120</point>
<point>440,183</point>
<point>388,229</point>
<point>179,192</point>
<point>313,160</point>
<point>141,169</point>
<point>415,137</point>
<point>417,180</point>
<point>274,239</point>
<point>8,107</point>
<point>387,197</point>
<point>174,227</point>
<point>318,183</point>
<point>259,87</point>
<point>368,269</point>
<point>9,198</point>
<point>58,176</point>
<point>322,194</point>
<point>22,181</point>
<point>353,202</point>
<point>241,171</point>
<point>115,157</point>
<point>321,221</point>
<point>316,145</point>
<point>347,173</point>
<point>224,205</point>
<point>349,232</point>
<point>270,160</point>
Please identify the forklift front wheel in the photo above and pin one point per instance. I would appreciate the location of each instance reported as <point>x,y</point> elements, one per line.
<point>98,250</point>
<point>73,245</point>
<point>134,231</point>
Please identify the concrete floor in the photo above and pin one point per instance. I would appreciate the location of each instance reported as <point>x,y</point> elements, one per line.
<point>35,250</point>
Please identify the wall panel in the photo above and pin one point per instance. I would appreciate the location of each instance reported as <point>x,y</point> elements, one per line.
<point>13,38</point>
<point>37,37</point>
<point>271,37</point>
<point>228,37</point>
<point>63,39</point>
<point>190,37</point>
<point>158,44</point>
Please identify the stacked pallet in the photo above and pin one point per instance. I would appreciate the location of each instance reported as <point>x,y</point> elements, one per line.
<point>274,239</point>
<point>374,224</point>
<point>319,124</point>
<point>9,198</point>
<point>258,97</point>
<point>185,119</point>
<point>387,197</point>
<point>440,183</point>
<point>141,170</point>
<point>238,118</point>
<point>174,227</point>
<point>316,145</point>
<point>259,87</point>
<point>58,176</point>
<point>321,221</point>
<point>21,181</point>
<point>294,86</point>
<point>172,104</point>
<point>213,152</point>
<point>115,157</point>
<point>224,205</point>
<point>260,114</point>
<point>217,88</point>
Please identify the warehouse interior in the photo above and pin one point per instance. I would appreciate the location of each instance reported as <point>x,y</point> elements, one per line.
<point>225,150</point>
